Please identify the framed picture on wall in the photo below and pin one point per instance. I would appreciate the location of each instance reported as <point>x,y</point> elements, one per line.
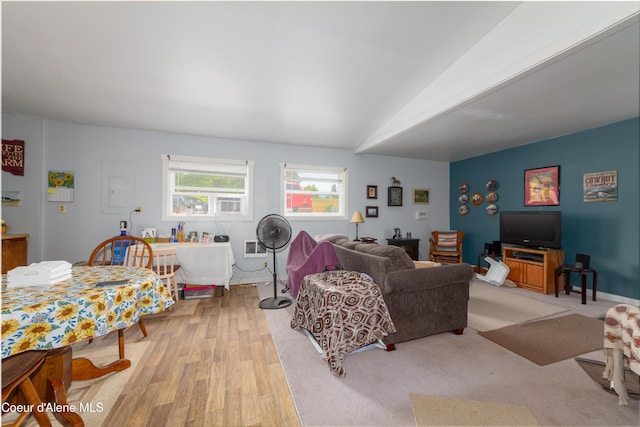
<point>420,196</point>
<point>394,197</point>
<point>542,186</point>
<point>372,191</point>
<point>371,212</point>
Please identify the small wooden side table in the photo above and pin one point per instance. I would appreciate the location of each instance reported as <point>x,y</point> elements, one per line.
<point>411,246</point>
<point>567,270</point>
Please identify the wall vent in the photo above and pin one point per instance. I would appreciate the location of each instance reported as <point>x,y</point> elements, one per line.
<point>253,250</point>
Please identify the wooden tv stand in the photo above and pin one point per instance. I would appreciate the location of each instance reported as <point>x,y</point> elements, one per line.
<point>533,269</point>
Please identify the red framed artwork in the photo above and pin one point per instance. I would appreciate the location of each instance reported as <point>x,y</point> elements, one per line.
<point>542,186</point>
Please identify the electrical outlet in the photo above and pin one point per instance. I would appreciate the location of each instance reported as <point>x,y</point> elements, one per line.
<point>138,209</point>
<point>265,264</point>
<point>62,209</point>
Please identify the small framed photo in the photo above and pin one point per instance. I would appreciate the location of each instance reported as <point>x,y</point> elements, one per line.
<point>420,196</point>
<point>371,212</point>
<point>542,186</point>
<point>372,191</point>
<point>394,196</point>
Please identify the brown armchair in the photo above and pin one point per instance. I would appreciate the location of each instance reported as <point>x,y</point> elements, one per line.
<point>446,246</point>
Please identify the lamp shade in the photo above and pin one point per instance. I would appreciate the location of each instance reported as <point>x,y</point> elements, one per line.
<point>357,217</point>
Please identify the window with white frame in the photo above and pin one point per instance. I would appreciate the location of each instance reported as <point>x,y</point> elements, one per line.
<point>313,191</point>
<point>206,188</point>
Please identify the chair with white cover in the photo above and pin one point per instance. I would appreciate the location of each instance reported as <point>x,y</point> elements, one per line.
<point>165,267</point>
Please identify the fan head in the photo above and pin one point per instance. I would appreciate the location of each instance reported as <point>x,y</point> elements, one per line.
<point>273,232</point>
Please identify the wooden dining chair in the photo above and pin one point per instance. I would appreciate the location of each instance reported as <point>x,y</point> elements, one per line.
<point>446,246</point>
<point>164,265</point>
<point>128,251</point>
<point>16,371</point>
<point>123,250</point>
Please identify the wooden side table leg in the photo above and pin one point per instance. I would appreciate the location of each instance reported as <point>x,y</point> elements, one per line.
<point>567,282</point>
<point>583,278</point>
<point>595,284</point>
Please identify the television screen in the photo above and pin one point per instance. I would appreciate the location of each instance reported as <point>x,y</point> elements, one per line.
<point>541,229</point>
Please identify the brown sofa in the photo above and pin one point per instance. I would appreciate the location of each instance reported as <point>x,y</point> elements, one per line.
<point>421,301</point>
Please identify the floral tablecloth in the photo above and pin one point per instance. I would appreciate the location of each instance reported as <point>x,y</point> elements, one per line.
<point>54,316</point>
<point>344,311</point>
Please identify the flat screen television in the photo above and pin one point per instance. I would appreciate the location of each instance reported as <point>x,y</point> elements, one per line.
<point>533,229</point>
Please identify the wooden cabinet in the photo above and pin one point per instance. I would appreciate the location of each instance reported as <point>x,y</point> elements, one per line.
<point>14,251</point>
<point>411,246</point>
<point>533,269</point>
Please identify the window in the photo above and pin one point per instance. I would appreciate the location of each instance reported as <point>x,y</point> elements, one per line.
<point>206,188</point>
<point>313,191</point>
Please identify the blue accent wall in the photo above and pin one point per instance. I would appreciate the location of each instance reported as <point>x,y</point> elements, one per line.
<point>608,231</point>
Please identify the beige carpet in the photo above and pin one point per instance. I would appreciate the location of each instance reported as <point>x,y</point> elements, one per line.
<point>446,411</point>
<point>100,392</point>
<point>551,340</point>
<point>595,368</point>
<point>376,389</point>
<point>492,308</point>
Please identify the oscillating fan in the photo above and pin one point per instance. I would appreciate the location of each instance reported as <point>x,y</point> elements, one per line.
<point>273,233</point>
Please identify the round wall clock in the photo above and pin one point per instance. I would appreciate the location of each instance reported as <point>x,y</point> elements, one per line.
<point>476,199</point>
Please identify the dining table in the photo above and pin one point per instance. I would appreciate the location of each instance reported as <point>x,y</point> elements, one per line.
<point>95,301</point>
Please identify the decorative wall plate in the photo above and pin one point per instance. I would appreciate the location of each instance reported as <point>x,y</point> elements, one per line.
<point>462,210</point>
<point>463,199</point>
<point>492,197</point>
<point>463,188</point>
<point>492,185</point>
<point>476,199</point>
<point>492,209</point>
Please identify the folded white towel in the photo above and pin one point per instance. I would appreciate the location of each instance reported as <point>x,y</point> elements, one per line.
<point>35,281</point>
<point>41,273</point>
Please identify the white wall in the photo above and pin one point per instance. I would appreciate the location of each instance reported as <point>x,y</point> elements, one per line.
<point>55,145</point>
<point>26,218</point>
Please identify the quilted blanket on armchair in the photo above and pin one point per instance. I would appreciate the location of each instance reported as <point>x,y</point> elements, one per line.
<point>306,256</point>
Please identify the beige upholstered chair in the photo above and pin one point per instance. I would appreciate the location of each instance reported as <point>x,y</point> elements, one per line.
<point>165,267</point>
<point>446,246</point>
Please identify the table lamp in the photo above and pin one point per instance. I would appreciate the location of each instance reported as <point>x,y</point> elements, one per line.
<point>357,218</point>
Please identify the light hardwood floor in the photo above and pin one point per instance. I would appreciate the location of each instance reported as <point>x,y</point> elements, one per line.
<point>217,367</point>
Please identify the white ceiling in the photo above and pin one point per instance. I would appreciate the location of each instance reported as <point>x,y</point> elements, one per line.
<point>432,80</point>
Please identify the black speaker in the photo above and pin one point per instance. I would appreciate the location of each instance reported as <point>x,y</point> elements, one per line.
<point>497,247</point>
<point>582,261</point>
<point>488,249</point>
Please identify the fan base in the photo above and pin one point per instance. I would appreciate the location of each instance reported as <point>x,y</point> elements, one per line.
<point>273,303</point>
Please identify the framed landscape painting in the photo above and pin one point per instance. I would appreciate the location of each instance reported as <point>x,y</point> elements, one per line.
<point>371,212</point>
<point>420,196</point>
